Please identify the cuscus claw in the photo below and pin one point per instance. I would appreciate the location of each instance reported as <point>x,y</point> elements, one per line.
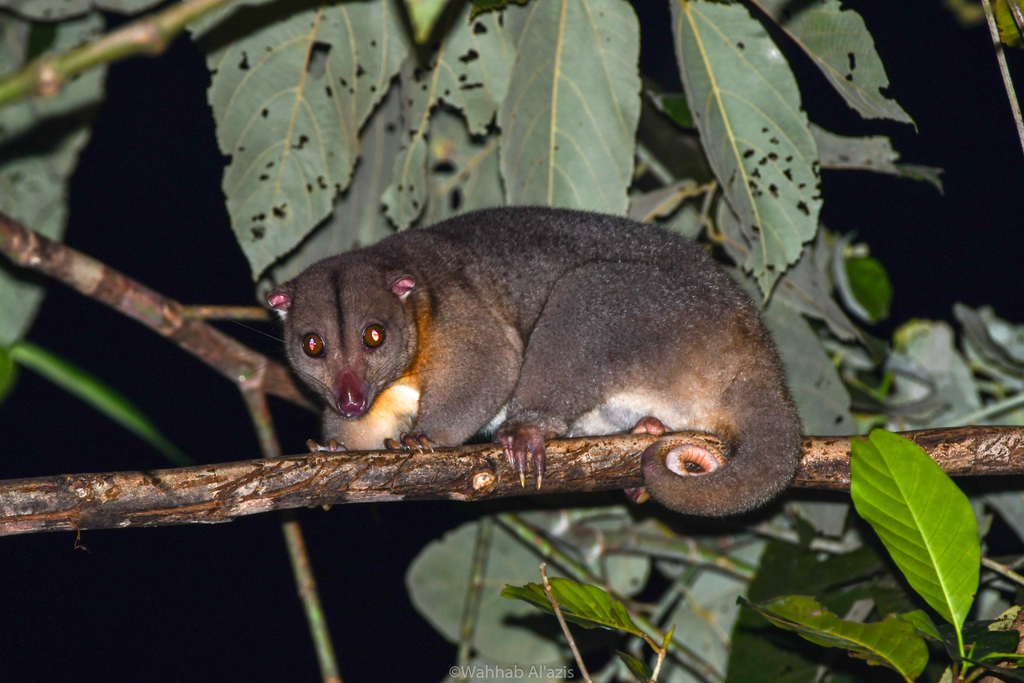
<point>332,447</point>
<point>519,443</point>
<point>410,442</point>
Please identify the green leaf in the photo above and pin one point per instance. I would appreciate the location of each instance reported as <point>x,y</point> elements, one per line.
<point>838,42</point>
<point>423,15</point>
<point>746,105</point>
<point>980,641</point>
<point>674,106</point>
<point>869,284</point>
<point>639,669</point>
<point>892,643</point>
<point>569,121</point>
<point>922,517</point>
<point>588,606</point>
<point>1009,34</point>
<point>37,160</point>
<point>290,93</point>
<point>100,396</point>
<point>920,620</point>
<point>7,373</point>
<point>469,71</point>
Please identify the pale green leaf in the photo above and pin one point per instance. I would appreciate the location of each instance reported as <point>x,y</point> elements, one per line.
<point>437,581</point>
<point>59,10</point>
<point>99,395</point>
<point>838,42</point>
<point>922,517</point>
<point>37,160</point>
<point>746,106</point>
<point>470,72</point>
<point>871,153</point>
<point>931,376</point>
<point>289,98</point>
<point>462,170</point>
<point>569,121</point>
<point>892,643</point>
<point>580,603</point>
<point>639,669</point>
<point>358,219</point>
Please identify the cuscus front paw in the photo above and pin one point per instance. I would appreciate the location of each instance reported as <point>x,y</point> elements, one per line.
<point>645,425</point>
<point>332,447</point>
<point>519,440</point>
<point>410,442</point>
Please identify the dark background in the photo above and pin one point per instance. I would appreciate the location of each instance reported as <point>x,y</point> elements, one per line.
<point>218,602</point>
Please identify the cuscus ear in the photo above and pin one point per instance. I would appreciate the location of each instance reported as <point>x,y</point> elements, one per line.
<point>280,301</point>
<point>402,285</point>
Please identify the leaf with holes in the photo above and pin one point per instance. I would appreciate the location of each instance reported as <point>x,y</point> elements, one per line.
<point>569,121</point>
<point>746,106</point>
<point>289,99</point>
<point>469,71</point>
<point>463,172</point>
<point>838,42</point>
<point>922,517</point>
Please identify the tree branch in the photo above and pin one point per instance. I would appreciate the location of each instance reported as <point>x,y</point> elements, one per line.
<point>219,493</point>
<point>163,315</point>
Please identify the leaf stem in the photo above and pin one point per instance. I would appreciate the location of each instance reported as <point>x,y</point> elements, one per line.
<point>1004,70</point>
<point>561,621</point>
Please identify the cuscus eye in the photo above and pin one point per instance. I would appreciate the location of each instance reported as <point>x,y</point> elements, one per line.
<point>373,336</point>
<point>313,345</point>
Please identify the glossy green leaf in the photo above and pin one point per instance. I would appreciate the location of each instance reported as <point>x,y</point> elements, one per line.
<point>588,606</point>
<point>869,283</point>
<point>289,97</point>
<point>100,396</point>
<point>980,641</point>
<point>470,72</point>
<point>838,42</point>
<point>920,620</point>
<point>922,517</point>
<point>569,121</point>
<point>37,159</point>
<point>639,669</point>
<point>7,373</point>
<point>746,106</point>
<point>892,643</point>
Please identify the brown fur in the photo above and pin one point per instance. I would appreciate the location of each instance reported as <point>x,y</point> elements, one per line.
<point>568,322</point>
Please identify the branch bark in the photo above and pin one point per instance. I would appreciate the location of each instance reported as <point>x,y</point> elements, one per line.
<point>165,316</point>
<point>219,493</point>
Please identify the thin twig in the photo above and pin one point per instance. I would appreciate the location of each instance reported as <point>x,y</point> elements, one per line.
<point>561,621</point>
<point>150,35</point>
<point>467,628</point>
<point>1004,70</point>
<point>302,569</point>
<point>254,313</point>
<point>1002,570</point>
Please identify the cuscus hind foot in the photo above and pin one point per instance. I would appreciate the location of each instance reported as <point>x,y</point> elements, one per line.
<point>645,425</point>
<point>410,442</point>
<point>518,441</point>
<point>332,447</point>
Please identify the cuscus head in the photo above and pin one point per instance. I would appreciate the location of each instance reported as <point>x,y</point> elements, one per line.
<point>349,329</point>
